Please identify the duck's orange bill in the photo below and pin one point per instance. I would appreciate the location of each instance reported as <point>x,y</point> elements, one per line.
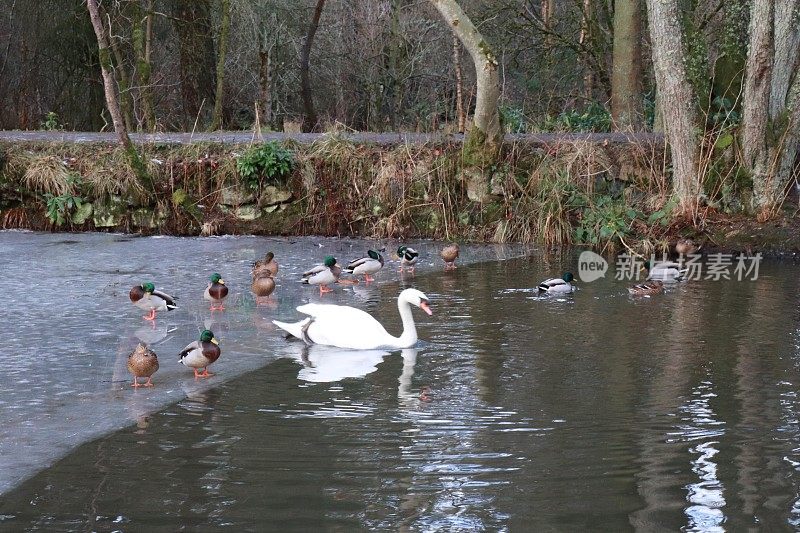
<point>424,307</point>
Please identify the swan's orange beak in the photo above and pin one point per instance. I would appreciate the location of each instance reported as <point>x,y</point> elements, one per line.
<point>424,307</point>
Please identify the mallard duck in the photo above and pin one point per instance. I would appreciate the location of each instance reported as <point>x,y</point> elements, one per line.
<point>142,363</point>
<point>686,247</point>
<point>348,327</point>
<point>408,258</point>
<point>449,254</point>
<point>665,271</point>
<point>268,263</point>
<point>201,353</point>
<point>369,264</point>
<point>647,288</point>
<point>561,285</point>
<point>216,292</point>
<point>323,275</point>
<point>147,298</point>
<point>263,285</point>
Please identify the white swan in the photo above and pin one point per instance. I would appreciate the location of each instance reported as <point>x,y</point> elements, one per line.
<point>347,327</point>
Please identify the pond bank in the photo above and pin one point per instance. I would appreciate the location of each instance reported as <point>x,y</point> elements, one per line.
<point>605,191</point>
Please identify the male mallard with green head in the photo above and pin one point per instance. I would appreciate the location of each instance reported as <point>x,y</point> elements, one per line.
<point>142,363</point>
<point>364,266</point>
<point>216,292</point>
<point>408,258</point>
<point>647,288</point>
<point>561,285</point>
<point>147,298</point>
<point>449,254</point>
<point>323,275</point>
<point>201,353</point>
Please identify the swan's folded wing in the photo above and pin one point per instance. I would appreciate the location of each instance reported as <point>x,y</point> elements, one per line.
<point>345,312</point>
<point>343,326</point>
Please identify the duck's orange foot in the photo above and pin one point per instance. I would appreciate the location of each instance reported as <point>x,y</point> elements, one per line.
<point>323,289</point>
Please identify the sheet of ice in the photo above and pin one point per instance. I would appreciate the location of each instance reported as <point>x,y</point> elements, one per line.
<point>68,325</point>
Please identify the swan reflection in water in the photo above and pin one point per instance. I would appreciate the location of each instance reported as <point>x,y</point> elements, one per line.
<point>326,364</point>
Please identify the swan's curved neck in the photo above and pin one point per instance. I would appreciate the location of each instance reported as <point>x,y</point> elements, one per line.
<point>409,335</point>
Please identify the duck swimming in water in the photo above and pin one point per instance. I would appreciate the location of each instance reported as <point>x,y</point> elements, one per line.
<point>561,285</point>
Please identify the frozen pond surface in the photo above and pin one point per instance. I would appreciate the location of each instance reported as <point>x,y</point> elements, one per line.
<point>517,412</point>
<point>70,325</point>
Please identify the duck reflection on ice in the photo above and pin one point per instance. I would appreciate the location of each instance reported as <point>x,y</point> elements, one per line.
<point>154,334</point>
<point>366,293</point>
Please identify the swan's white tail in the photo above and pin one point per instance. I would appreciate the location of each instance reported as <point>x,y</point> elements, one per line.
<point>296,329</point>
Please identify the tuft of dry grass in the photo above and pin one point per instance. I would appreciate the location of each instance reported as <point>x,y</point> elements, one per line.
<point>47,174</point>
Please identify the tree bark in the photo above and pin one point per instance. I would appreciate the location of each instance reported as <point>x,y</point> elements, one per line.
<point>770,111</point>
<point>677,99</point>
<point>548,10</point>
<point>124,82</point>
<point>142,38</point>
<point>310,118</point>
<point>588,75</point>
<point>755,107</point>
<point>108,78</point>
<point>111,96</point>
<point>626,74</point>
<point>222,49</point>
<point>484,140</point>
<point>265,83</point>
<point>196,49</point>
<point>461,116</point>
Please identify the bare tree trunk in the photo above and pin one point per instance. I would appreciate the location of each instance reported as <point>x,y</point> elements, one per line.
<point>677,99</point>
<point>142,36</point>
<point>588,76</point>
<point>111,96</point>
<point>485,139</point>
<point>310,118</point>
<point>265,83</point>
<point>462,119</point>
<point>108,77</point>
<point>222,49</point>
<point>196,48</point>
<point>548,10</point>
<point>755,107</point>
<point>124,83</point>
<point>626,74</point>
<point>770,111</point>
